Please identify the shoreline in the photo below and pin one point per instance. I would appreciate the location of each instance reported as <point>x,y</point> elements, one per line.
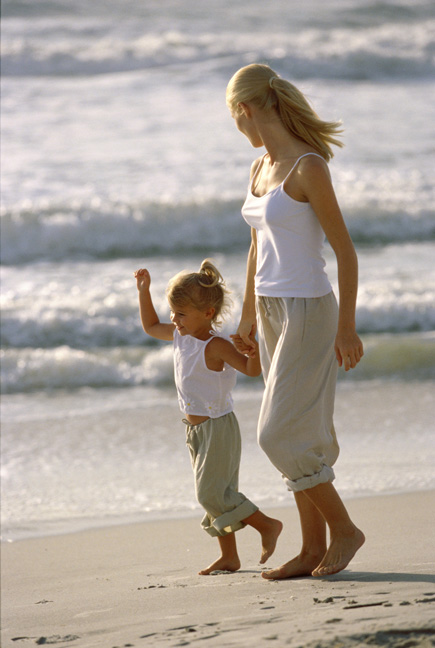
<point>104,467</point>
<point>84,525</point>
<point>137,584</point>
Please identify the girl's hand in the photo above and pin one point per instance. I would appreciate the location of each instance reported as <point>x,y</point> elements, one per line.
<point>245,335</point>
<point>242,347</point>
<point>348,349</point>
<point>143,279</point>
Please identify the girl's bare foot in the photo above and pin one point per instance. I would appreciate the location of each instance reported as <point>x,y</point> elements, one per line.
<point>269,537</point>
<point>221,564</point>
<point>341,551</point>
<point>302,565</point>
<point>269,529</point>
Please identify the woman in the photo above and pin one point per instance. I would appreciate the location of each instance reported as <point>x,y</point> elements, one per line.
<point>303,336</point>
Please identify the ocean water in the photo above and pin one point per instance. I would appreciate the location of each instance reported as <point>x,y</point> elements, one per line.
<point>118,152</point>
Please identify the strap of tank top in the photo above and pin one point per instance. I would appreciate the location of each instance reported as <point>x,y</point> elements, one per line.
<point>213,334</point>
<point>260,164</point>
<point>297,162</point>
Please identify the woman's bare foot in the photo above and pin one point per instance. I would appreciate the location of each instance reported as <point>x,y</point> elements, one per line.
<point>221,564</point>
<point>341,551</point>
<point>269,536</point>
<point>302,565</point>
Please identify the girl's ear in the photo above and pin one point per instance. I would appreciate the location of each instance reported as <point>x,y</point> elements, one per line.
<point>209,313</point>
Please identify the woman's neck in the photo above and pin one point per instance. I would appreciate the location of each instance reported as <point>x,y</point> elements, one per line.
<point>279,143</point>
<point>281,146</point>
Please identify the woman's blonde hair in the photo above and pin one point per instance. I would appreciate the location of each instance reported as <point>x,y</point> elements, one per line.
<point>201,290</point>
<point>260,85</point>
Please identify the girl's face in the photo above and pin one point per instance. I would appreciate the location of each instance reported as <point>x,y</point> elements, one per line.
<point>191,321</point>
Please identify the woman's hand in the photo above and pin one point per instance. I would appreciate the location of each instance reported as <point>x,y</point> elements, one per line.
<point>243,340</point>
<point>348,349</point>
<point>243,348</point>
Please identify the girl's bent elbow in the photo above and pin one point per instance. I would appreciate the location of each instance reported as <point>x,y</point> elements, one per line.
<point>151,330</point>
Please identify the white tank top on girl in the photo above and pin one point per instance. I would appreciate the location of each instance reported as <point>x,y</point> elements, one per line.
<point>201,390</point>
<point>290,241</point>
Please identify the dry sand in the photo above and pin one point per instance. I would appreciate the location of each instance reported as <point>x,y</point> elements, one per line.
<point>137,585</point>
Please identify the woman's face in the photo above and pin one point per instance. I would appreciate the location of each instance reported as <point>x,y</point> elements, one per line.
<point>245,124</point>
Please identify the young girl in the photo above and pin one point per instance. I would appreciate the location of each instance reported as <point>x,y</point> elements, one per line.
<point>205,373</point>
<point>290,207</point>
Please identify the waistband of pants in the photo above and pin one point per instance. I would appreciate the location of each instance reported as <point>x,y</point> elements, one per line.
<point>188,423</point>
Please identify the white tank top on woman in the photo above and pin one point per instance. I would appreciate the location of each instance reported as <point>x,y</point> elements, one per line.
<point>201,390</point>
<point>290,242</point>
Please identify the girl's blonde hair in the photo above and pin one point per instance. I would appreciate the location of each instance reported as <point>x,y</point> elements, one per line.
<point>201,290</point>
<point>260,85</point>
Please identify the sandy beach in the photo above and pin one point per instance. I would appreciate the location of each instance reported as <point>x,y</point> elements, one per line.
<point>137,585</point>
<point>122,154</point>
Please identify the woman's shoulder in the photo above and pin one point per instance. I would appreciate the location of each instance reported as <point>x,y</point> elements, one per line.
<point>310,171</point>
<point>313,165</point>
<point>312,159</point>
<point>255,165</point>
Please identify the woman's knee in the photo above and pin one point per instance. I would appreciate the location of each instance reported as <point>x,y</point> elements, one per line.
<point>267,438</point>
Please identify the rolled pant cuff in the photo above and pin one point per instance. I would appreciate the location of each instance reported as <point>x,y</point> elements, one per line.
<point>310,481</point>
<point>233,520</point>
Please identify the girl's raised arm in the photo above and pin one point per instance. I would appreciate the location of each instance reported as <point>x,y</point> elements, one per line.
<point>149,318</point>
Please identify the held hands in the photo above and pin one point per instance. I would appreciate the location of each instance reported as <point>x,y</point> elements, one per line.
<point>143,279</point>
<point>348,349</point>
<point>244,340</point>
